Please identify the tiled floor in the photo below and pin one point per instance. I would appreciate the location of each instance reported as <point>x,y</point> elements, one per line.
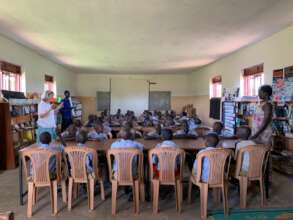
<point>281,196</point>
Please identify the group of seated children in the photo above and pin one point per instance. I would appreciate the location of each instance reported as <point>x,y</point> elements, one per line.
<point>212,142</point>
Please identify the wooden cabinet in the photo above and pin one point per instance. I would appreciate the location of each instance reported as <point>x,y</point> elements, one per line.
<point>7,156</point>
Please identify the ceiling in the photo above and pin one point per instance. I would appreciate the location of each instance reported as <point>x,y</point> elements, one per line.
<point>134,36</point>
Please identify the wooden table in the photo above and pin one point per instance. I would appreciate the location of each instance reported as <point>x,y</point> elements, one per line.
<point>185,144</point>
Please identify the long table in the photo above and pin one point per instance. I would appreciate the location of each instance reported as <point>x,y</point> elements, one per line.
<point>185,144</point>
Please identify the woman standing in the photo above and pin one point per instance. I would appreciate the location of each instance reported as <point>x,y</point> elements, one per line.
<point>262,118</point>
<point>66,111</point>
<point>46,113</point>
<point>262,127</point>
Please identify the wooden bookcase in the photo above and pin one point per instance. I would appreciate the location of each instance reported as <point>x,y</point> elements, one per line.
<point>7,152</point>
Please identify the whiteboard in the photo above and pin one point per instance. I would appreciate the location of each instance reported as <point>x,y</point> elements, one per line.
<point>129,94</point>
<point>160,100</point>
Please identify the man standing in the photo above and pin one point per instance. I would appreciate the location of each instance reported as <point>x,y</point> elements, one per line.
<point>66,111</point>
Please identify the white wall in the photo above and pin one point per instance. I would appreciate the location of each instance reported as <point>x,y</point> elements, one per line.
<point>35,67</point>
<point>89,84</point>
<point>275,52</point>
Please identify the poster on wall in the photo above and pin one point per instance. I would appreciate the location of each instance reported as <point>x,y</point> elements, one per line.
<point>283,84</point>
<point>278,85</point>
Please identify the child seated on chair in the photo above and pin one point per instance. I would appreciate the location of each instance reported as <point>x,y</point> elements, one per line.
<point>155,134</point>
<point>45,143</point>
<point>243,133</point>
<point>91,121</point>
<point>212,141</point>
<point>185,132</point>
<point>96,133</point>
<point>126,142</point>
<point>81,139</point>
<point>167,137</point>
<point>218,128</point>
<point>71,131</point>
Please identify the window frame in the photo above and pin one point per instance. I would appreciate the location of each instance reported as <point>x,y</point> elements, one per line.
<point>251,79</point>
<point>216,87</point>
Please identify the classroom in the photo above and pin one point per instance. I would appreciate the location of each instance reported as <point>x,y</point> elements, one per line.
<point>146,109</point>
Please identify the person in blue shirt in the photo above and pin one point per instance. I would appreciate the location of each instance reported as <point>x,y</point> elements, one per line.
<point>66,111</point>
<point>212,140</point>
<point>126,142</point>
<point>45,143</point>
<point>81,139</point>
<point>167,137</point>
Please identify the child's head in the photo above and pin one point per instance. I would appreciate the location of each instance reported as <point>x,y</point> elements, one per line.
<point>91,118</point>
<point>167,134</point>
<point>212,139</point>
<point>217,127</point>
<point>243,132</point>
<point>184,114</point>
<point>81,137</point>
<point>158,128</point>
<point>77,123</point>
<point>185,126</point>
<point>98,127</point>
<point>45,138</point>
<point>126,134</point>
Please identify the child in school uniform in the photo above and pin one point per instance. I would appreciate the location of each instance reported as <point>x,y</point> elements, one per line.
<point>243,134</point>
<point>155,134</point>
<point>126,142</point>
<point>218,128</point>
<point>71,130</point>
<point>81,139</point>
<point>212,141</point>
<point>185,132</point>
<point>96,133</point>
<point>92,119</point>
<point>167,137</point>
<point>45,143</point>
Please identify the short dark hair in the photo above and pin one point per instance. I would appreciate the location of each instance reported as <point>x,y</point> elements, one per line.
<point>213,135</point>
<point>45,138</point>
<point>66,92</point>
<point>81,137</point>
<point>246,130</point>
<point>167,134</point>
<point>267,89</point>
<point>127,134</point>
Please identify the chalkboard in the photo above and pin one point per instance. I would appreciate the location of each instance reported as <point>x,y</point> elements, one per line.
<point>103,101</point>
<point>160,100</point>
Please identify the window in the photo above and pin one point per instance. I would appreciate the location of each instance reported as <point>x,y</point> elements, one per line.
<point>216,87</point>
<point>10,77</point>
<point>252,79</point>
<point>50,84</point>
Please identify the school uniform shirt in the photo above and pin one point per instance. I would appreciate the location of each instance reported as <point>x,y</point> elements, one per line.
<point>167,143</point>
<point>192,125</point>
<point>88,161</point>
<point>205,166</point>
<point>93,135</point>
<point>122,144</point>
<point>49,120</point>
<point>245,159</point>
<point>52,161</point>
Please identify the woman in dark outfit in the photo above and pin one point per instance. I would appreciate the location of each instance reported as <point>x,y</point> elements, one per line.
<point>66,111</point>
